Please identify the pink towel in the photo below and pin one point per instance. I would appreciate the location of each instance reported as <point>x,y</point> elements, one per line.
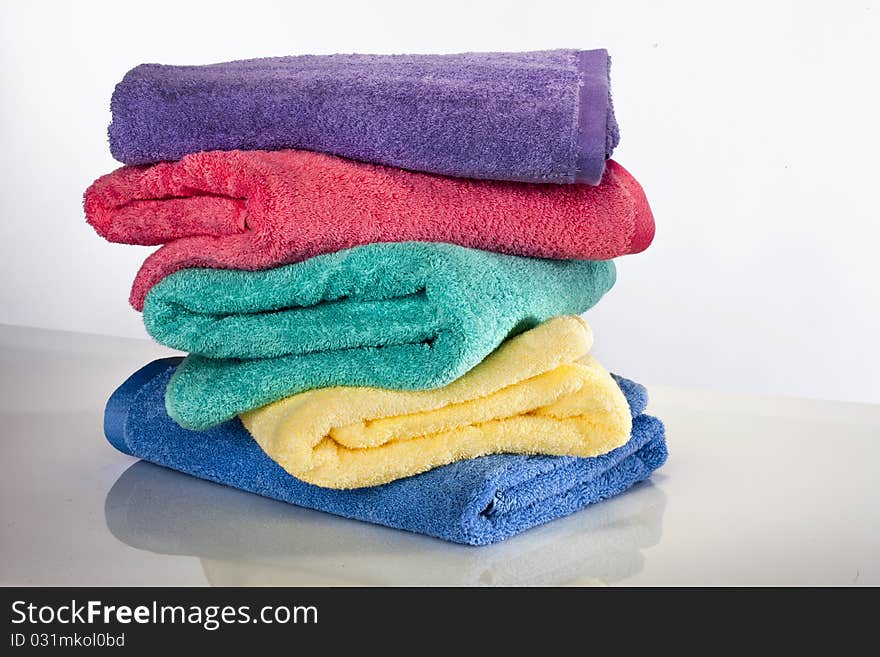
<point>261,209</point>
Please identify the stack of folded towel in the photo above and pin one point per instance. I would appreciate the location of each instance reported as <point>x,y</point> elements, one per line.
<point>376,265</point>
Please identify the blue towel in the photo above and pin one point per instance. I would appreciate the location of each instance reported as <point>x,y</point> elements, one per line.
<point>476,502</point>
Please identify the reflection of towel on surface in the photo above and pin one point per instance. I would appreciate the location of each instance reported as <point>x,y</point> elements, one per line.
<point>538,393</point>
<point>477,501</point>
<point>245,539</point>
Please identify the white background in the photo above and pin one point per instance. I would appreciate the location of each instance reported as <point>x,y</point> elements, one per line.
<point>752,126</point>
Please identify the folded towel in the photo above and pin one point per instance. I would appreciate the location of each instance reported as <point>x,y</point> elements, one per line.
<point>257,210</point>
<point>538,393</point>
<point>407,315</point>
<point>534,116</point>
<point>244,539</point>
<point>477,501</point>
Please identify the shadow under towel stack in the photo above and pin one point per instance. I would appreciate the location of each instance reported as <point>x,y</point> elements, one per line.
<point>377,265</point>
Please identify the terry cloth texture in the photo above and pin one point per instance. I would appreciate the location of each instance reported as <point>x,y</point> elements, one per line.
<point>534,116</point>
<point>256,210</point>
<point>477,501</point>
<point>409,315</point>
<point>244,539</point>
<point>538,393</point>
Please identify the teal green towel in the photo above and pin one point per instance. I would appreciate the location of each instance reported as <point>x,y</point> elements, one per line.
<point>409,315</point>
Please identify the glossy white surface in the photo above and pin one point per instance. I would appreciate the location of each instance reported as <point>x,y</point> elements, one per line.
<point>757,491</point>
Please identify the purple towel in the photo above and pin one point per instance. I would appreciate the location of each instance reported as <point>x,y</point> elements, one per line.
<point>534,117</point>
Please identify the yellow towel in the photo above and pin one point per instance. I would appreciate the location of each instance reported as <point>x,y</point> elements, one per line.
<point>538,393</point>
